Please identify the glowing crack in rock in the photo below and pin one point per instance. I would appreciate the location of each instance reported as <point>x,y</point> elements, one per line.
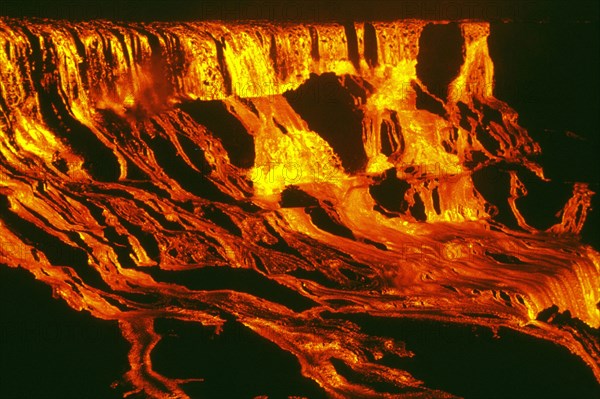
<point>135,154</point>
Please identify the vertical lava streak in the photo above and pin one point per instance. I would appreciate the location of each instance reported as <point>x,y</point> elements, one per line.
<point>285,177</point>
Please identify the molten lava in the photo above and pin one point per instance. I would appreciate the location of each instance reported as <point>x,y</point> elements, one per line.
<point>137,158</point>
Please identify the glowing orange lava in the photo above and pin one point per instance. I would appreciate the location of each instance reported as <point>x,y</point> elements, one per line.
<point>115,179</point>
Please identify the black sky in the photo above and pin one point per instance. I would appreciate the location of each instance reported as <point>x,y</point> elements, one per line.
<point>304,10</point>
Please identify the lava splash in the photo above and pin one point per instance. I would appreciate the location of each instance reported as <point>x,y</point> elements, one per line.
<point>286,177</point>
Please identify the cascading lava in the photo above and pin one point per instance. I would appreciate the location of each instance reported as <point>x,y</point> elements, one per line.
<point>146,165</point>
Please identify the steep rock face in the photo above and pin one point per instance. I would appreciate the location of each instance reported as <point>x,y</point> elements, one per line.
<point>334,114</point>
<point>278,174</point>
<point>440,57</point>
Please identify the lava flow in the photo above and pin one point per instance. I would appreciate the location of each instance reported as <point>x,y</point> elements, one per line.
<point>145,166</point>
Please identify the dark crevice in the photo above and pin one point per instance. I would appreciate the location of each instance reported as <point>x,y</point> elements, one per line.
<point>279,65</point>
<point>352,42</point>
<point>440,57</point>
<point>315,276</point>
<point>236,140</point>
<point>235,279</point>
<point>190,180</point>
<point>487,140</point>
<point>281,245</point>
<point>294,197</point>
<point>389,192</point>
<point>248,103</point>
<point>330,110</point>
<point>195,154</point>
<point>146,239</point>
<point>120,245</point>
<point>220,218</point>
<point>476,158</point>
<point>418,208</point>
<point>280,126</point>
<point>493,184</point>
<point>489,114</point>
<point>379,385</point>
<point>328,222</point>
<point>259,264</point>
<point>159,217</point>
<point>466,117</point>
<point>376,244</point>
<point>134,172</point>
<point>386,141</point>
<point>371,45</point>
<point>435,195</point>
<point>220,45</point>
<point>428,103</point>
<point>392,140</point>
